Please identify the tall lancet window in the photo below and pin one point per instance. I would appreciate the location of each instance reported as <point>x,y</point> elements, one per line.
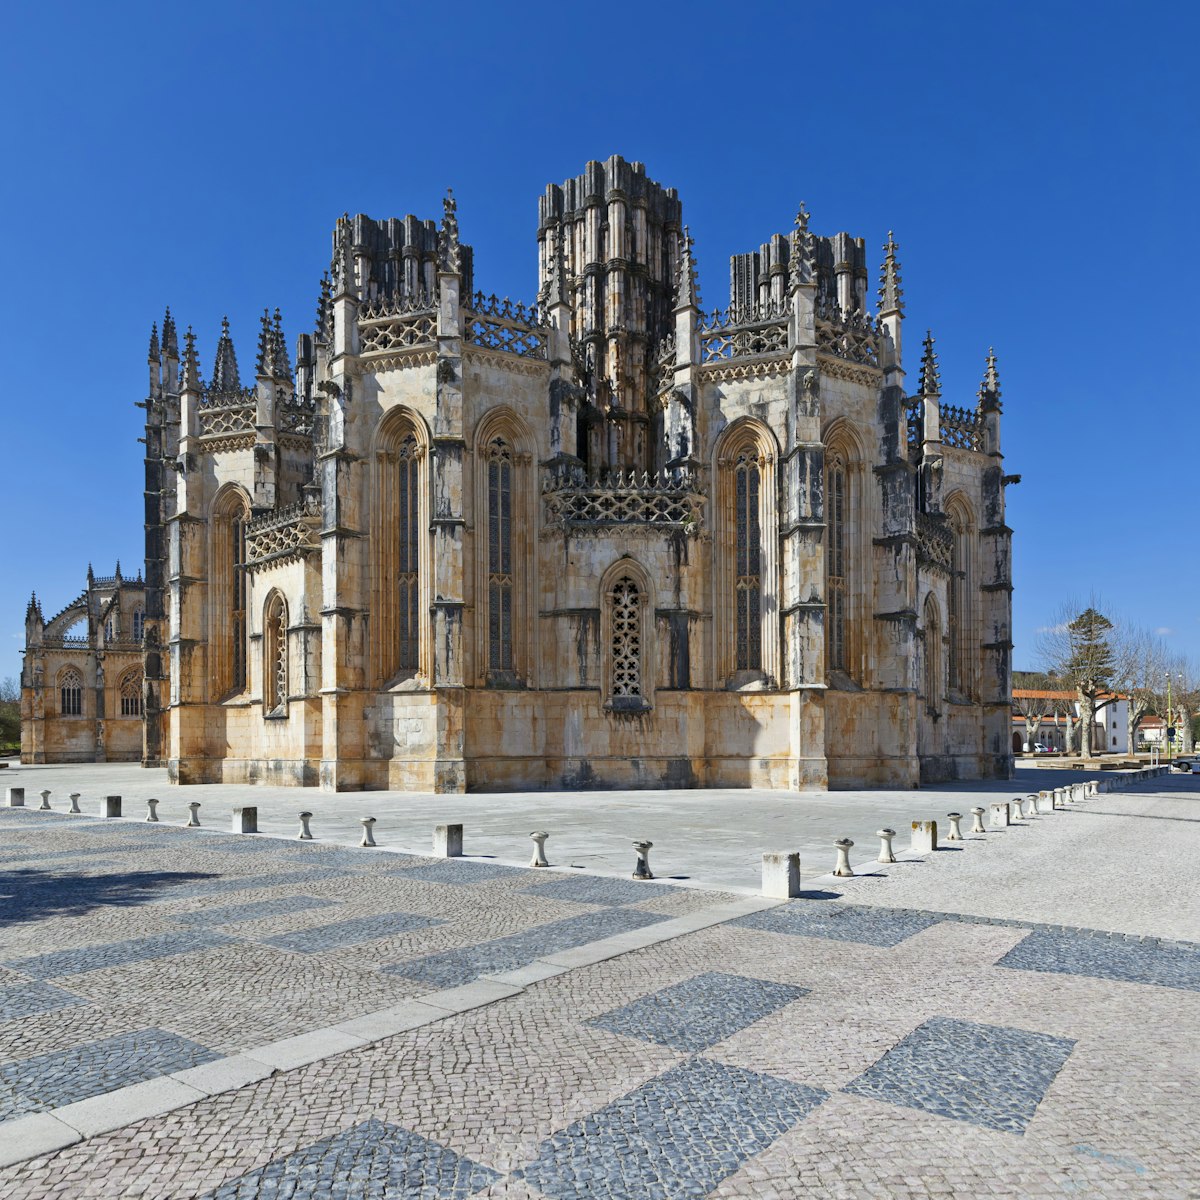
<point>228,583</point>
<point>625,601</point>
<point>933,657</point>
<point>749,563</point>
<point>836,560</point>
<point>139,624</point>
<point>70,692</point>
<point>408,555</point>
<point>275,660</point>
<point>959,610</point>
<point>500,556</point>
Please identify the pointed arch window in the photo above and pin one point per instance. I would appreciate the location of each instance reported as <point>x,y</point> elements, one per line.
<point>748,584</point>
<point>959,610</point>
<point>139,623</point>
<point>275,657</point>
<point>408,571</point>
<point>228,584</point>
<point>131,694</point>
<point>70,693</point>
<point>836,561</point>
<point>932,685</point>
<point>500,556</point>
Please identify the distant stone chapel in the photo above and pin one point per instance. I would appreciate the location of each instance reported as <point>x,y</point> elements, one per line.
<point>606,539</point>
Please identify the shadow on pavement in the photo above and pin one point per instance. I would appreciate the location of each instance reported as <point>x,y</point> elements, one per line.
<point>30,895</point>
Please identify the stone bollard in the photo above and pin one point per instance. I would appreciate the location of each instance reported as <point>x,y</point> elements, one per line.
<point>977,820</point>
<point>1060,797</point>
<point>641,869</point>
<point>368,824</point>
<point>245,820</point>
<point>924,836</point>
<point>955,834</point>
<point>16,797</point>
<point>539,850</point>
<point>45,806</point>
<point>152,810</point>
<point>999,815</point>
<point>1045,802</point>
<point>305,832</point>
<point>885,845</point>
<point>194,818</point>
<point>74,798</point>
<point>843,867</point>
<point>448,841</point>
<point>781,876</point>
<point>1014,809</point>
<point>1093,788</point>
<point>112,806</point>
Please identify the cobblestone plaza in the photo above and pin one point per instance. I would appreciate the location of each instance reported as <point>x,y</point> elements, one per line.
<point>188,1012</point>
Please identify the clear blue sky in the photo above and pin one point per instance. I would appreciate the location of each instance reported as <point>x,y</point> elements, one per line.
<point>1038,163</point>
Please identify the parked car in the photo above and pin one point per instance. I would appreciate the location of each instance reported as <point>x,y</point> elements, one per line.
<point>1187,762</point>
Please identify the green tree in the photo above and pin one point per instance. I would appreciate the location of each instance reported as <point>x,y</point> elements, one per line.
<point>10,716</point>
<point>1078,650</point>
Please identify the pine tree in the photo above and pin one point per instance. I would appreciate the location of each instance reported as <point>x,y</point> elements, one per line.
<point>1090,667</point>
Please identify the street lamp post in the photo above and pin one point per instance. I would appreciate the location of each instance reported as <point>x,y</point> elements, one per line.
<point>1170,727</point>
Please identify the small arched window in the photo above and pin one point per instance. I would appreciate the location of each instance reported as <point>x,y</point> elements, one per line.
<point>131,694</point>
<point>275,660</point>
<point>70,693</point>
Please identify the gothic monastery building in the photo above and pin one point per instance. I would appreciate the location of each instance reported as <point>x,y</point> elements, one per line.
<point>605,539</point>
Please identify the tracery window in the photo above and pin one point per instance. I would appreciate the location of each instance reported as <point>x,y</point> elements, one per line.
<point>275,663</point>
<point>70,693</point>
<point>625,601</point>
<point>958,604</point>
<point>408,554</point>
<point>139,624</point>
<point>229,592</point>
<point>835,563</point>
<point>500,556</point>
<point>131,694</point>
<point>933,657</point>
<point>748,565</point>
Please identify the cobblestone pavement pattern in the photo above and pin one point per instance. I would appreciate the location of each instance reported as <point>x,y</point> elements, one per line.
<point>1012,1016</point>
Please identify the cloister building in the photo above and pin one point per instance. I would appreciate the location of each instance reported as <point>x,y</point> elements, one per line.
<point>603,539</point>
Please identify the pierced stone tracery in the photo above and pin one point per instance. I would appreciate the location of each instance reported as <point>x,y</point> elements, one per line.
<point>626,647</point>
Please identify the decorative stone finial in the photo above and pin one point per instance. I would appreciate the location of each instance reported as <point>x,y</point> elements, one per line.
<point>170,340</point>
<point>154,354</point>
<point>191,364</point>
<point>891,294</point>
<point>225,376</point>
<point>265,359</point>
<point>449,249</point>
<point>989,389</point>
<point>687,286</point>
<point>803,250</point>
<point>556,284</point>
<point>931,379</point>
<point>281,366</point>
<point>323,301</point>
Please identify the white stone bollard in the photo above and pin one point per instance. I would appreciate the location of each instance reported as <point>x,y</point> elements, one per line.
<point>1045,802</point>
<point>924,836</point>
<point>448,841</point>
<point>885,845</point>
<point>194,817</point>
<point>999,815</point>
<point>45,806</point>
<point>955,834</point>
<point>1060,797</point>
<point>1093,789</point>
<point>305,832</point>
<point>781,876</point>
<point>74,798</point>
<point>539,850</point>
<point>843,866</point>
<point>151,810</point>
<point>1014,809</point>
<point>245,820</point>
<point>1031,806</point>
<point>368,824</point>
<point>15,797</point>
<point>641,869</point>
<point>112,806</point>
<point>977,820</point>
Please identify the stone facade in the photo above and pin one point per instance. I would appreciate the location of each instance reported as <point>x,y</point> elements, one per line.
<point>81,682</point>
<point>605,539</point>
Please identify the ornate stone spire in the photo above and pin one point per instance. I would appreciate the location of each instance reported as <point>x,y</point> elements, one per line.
<point>891,294</point>
<point>989,389</point>
<point>556,283</point>
<point>225,378</point>
<point>343,258</point>
<point>803,252</point>
<point>33,608</point>
<point>191,365</point>
<point>154,354</point>
<point>931,380</point>
<point>449,248</point>
<point>687,286</point>
<point>264,361</point>
<point>281,366</point>
<point>323,302</point>
<point>117,573</point>
<point>170,342</point>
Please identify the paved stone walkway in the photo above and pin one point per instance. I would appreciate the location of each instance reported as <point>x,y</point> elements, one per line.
<point>187,1013</point>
